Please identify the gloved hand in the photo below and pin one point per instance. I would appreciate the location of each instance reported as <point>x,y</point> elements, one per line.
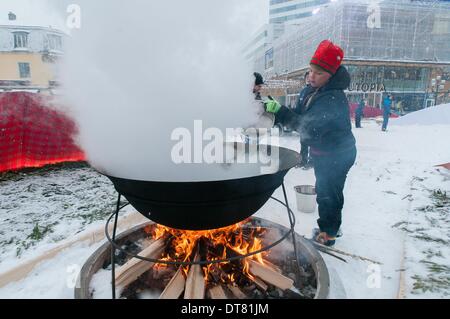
<point>272,106</point>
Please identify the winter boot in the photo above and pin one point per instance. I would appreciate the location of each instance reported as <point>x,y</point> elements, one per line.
<point>316,231</point>
<point>323,238</point>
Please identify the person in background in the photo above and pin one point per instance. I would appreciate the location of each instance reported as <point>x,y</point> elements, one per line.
<point>387,105</point>
<point>359,113</point>
<point>325,125</point>
<point>400,109</point>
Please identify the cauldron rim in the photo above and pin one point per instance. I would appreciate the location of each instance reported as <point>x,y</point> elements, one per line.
<point>200,205</point>
<point>287,162</point>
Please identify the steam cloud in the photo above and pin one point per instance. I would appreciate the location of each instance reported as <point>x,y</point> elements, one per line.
<point>137,70</point>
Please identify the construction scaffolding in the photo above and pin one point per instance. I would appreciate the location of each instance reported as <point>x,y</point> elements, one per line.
<point>416,31</point>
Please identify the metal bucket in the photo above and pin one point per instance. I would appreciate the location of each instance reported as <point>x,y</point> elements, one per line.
<point>306,198</point>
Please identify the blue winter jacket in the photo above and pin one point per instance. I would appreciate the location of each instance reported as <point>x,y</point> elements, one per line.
<point>387,104</point>
<point>324,125</point>
<point>360,109</point>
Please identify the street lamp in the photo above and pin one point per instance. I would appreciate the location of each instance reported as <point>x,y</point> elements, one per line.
<point>437,85</point>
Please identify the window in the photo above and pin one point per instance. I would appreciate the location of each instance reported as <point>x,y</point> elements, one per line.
<point>54,42</point>
<point>12,17</point>
<point>441,26</point>
<point>20,40</point>
<point>24,70</point>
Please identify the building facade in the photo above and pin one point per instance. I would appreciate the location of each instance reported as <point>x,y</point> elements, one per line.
<point>293,11</point>
<point>392,47</point>
<point>258,43</point>
<point>28,55</point>
<point>283,18</point>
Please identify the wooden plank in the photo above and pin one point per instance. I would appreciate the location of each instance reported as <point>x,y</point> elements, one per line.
<point>175,287</point>
<point>261,284</point>
<point>217,292</point>
<point>273,266</point>
<point>270,276</point>
<point>135,267</point>
<point>195,283</point>
<point>237,292</point>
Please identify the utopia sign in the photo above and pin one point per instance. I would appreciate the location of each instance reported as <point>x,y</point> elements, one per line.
<point>367,87</point>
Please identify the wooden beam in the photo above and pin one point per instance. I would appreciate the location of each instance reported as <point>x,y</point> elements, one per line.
<point>135,267</point>
<point>195,283</point>
<point>270,276</point>
<point>175,287</point>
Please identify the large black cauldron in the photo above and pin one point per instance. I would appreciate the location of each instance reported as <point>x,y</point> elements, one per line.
<point>209,204</point>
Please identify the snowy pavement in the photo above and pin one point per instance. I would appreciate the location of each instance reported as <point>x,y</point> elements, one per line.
<point>384,191</point>
<point>396,212</point>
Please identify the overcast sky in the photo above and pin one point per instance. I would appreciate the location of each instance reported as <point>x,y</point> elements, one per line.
<point>33,12</point>
<point>53,12</point>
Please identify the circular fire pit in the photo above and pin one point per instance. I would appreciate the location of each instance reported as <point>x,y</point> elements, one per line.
<point>309,273</point>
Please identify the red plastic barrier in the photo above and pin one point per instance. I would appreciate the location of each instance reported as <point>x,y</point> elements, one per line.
<point>369,112</point>
<point>447,166</point>
<point>32,134</point>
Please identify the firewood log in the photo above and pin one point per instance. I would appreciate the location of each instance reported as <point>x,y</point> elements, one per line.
<point>175,287</point>
<point>195,283</point>
<point>270,276</point>
<point>135,267</point>
<point>217,292</point>
<point>237,292</point>
<point>260,284</point>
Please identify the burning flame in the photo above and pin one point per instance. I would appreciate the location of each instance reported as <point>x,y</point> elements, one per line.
<point>217,244</point>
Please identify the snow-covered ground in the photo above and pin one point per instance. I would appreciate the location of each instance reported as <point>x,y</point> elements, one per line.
<point>43,208</point>
<point>436,115</point>
<point>397,212</point>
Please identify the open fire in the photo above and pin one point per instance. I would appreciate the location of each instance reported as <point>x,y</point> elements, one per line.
<point>258,276</point>
<point>218,244</point>
<point>231,262</point>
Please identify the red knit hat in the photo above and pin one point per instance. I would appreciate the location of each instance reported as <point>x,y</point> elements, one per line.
<point>328,56</point>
